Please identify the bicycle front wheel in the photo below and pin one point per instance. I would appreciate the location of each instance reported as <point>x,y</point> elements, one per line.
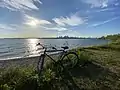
<point>40,64</point>
<point>69,60</point>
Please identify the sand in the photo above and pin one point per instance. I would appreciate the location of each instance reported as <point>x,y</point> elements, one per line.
<point>19,62</point>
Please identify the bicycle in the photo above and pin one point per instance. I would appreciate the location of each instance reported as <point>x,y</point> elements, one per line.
<point>67,59</point>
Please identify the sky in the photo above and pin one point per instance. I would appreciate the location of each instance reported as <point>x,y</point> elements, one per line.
<point>53,18</point>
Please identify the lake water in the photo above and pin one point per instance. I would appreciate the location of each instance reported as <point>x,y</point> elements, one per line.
<point>15,48</point>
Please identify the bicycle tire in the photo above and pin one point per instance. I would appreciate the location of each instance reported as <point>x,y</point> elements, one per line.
<point>70,58</point>
<point>40,64</point>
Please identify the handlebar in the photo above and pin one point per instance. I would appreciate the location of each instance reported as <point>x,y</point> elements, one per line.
<point>54,49</point>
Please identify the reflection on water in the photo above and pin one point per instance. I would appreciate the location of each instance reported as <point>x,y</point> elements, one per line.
<point>32,45</point>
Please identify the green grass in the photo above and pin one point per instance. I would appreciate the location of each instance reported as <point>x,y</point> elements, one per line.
<point>17,78</point>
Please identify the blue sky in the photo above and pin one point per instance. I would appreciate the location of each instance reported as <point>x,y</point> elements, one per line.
<point>51,18</point>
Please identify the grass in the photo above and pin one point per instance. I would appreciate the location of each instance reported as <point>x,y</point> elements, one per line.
<point>97,69</point>
<point>17,78</point>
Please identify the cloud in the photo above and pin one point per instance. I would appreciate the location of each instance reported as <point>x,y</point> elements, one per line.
<point>7,27</point>
<point>20,5</point>
<point>99,3</point>
<point>73,20</point>
<point>104,22</point>
<point>34,22</point>
<point>106,9</point>
<point>116,4</point>
<point>57,28</point>
<point>31,21</point>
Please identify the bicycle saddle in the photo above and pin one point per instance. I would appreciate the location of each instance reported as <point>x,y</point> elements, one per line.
<point>66,47</point>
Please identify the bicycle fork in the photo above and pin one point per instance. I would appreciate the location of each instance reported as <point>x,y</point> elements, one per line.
<point>42,63</point>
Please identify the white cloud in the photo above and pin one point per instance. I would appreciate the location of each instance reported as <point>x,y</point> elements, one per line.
<point>73,20</point>
<point>116,4</point>
<point>7,27</point>
<point>21,5</point>
<point>31,21</point>
<point>106,9</point>
<point>99,3</point>
<point>104,22</point>
<point>57,28</point>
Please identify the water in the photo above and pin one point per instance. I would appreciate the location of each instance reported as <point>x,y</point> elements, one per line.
<point>16,48</point>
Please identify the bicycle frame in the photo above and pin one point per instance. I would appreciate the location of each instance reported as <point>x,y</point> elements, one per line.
<point>54,50</point>
<point>45,53</point>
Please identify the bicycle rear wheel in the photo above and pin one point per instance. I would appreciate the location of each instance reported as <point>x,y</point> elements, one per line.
<point>69,60</point>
